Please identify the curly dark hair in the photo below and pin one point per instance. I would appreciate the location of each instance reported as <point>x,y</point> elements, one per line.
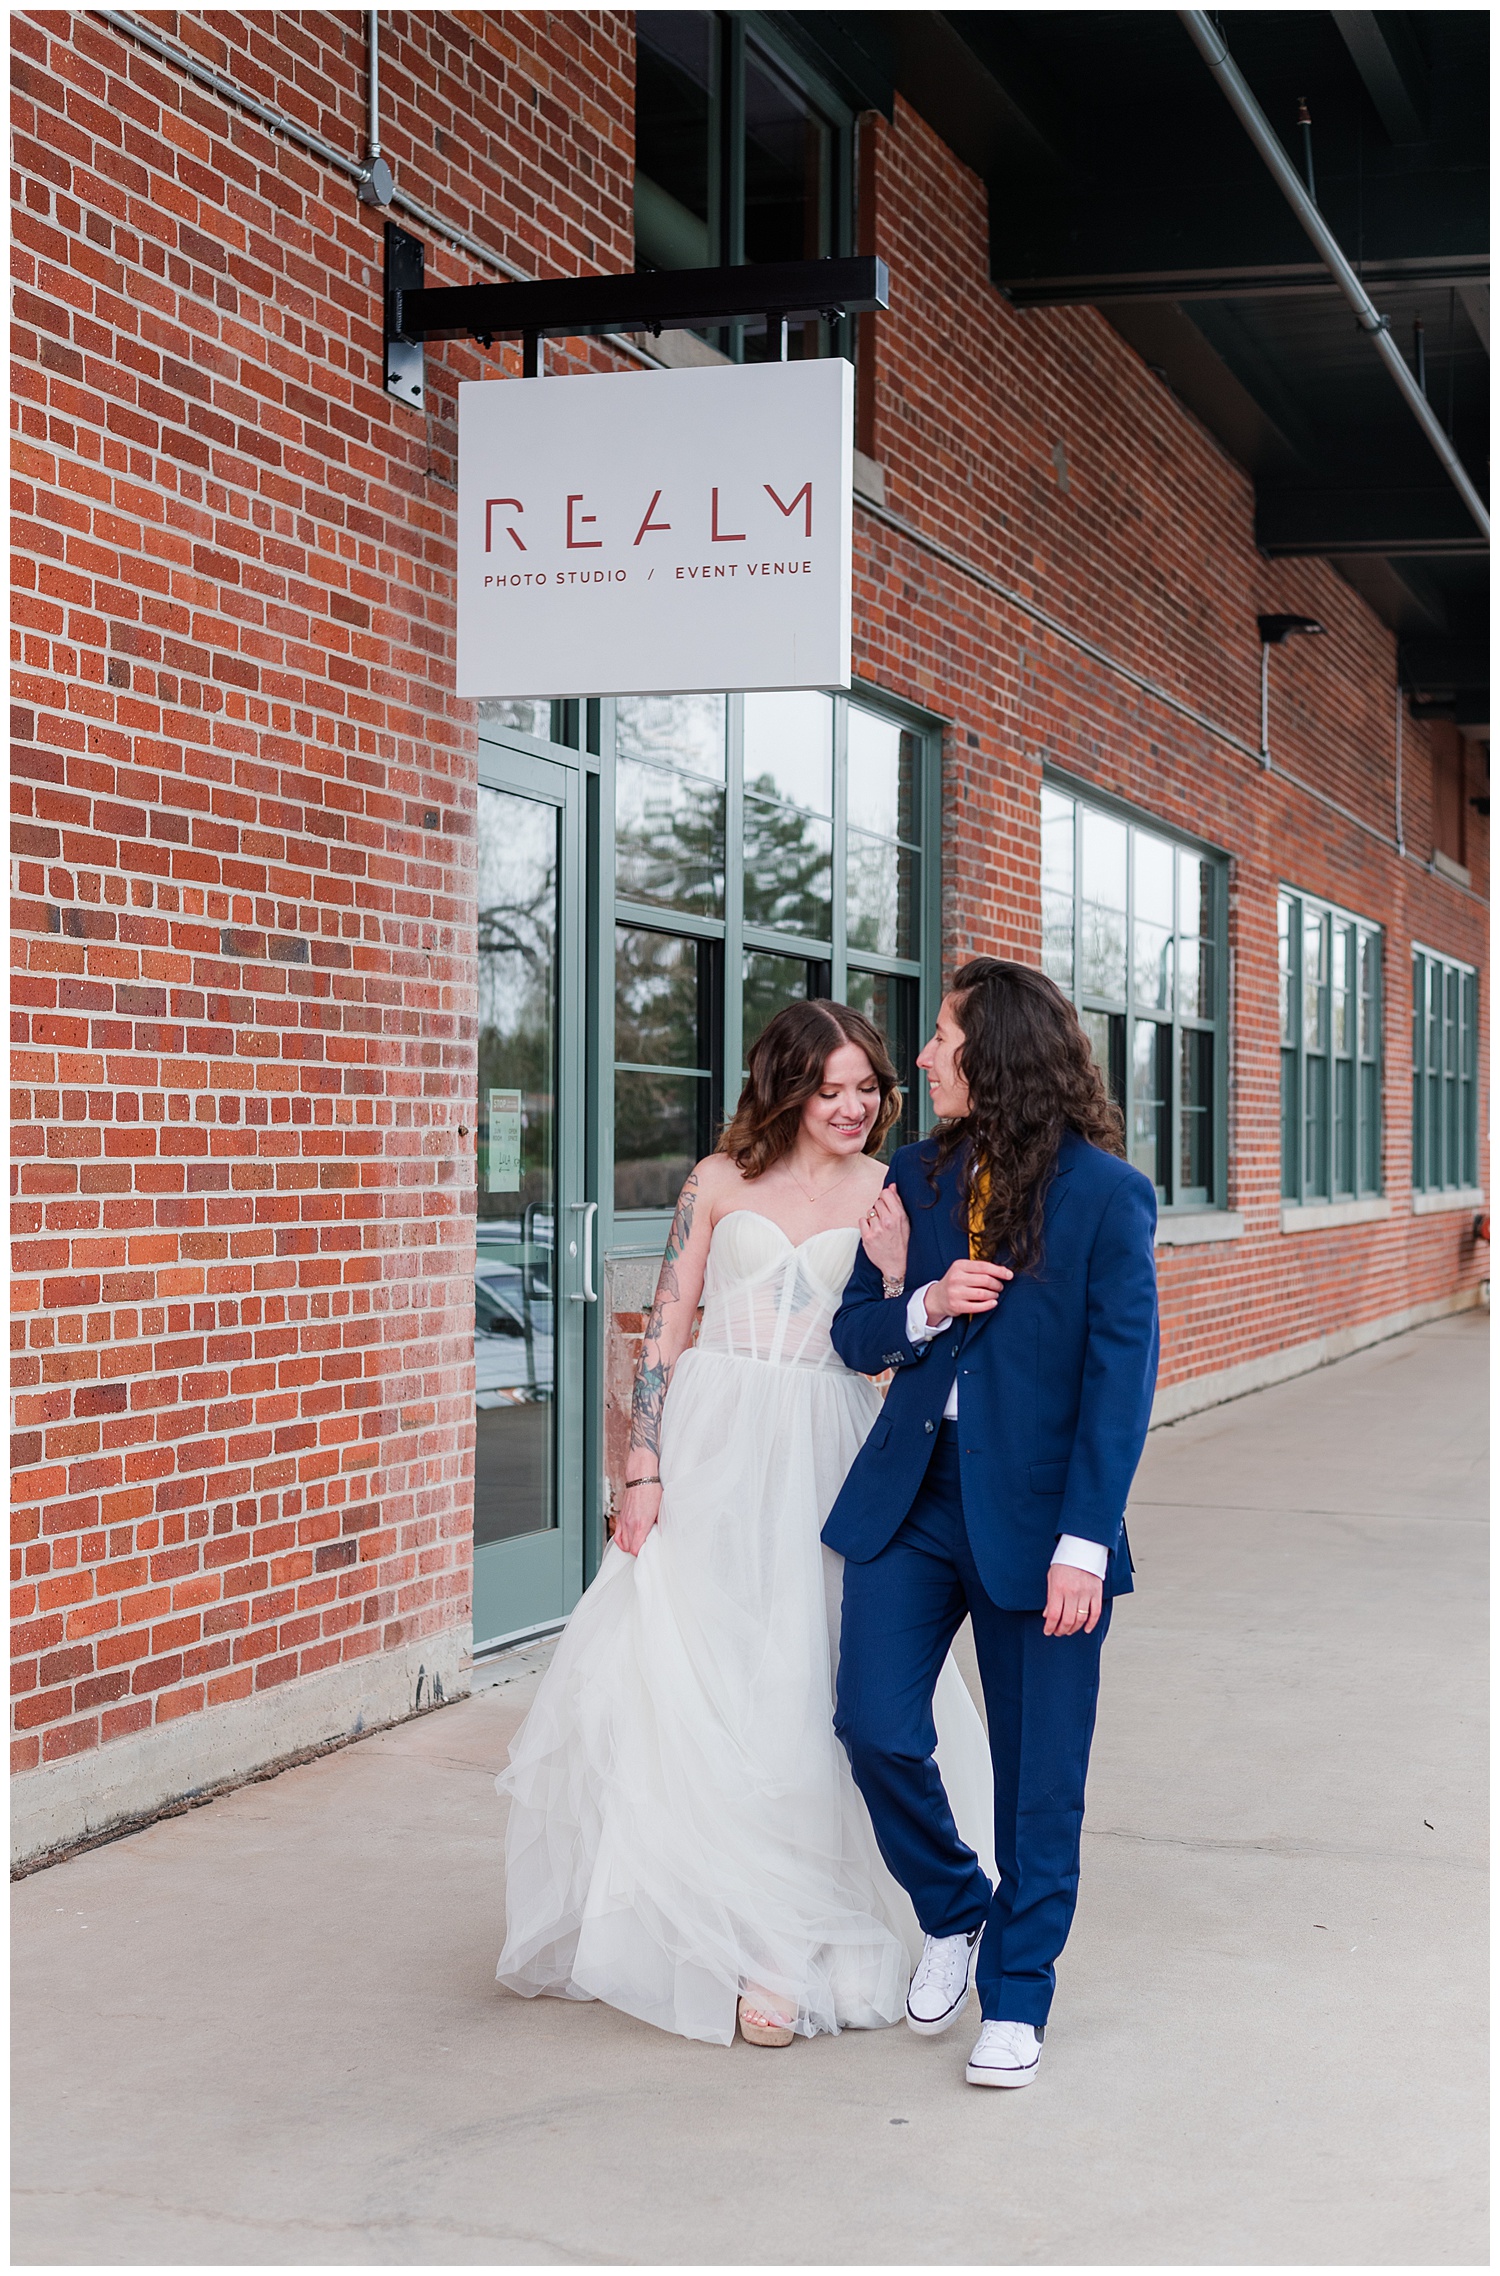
<point>785,1069</point>
<point>1031,1078</point>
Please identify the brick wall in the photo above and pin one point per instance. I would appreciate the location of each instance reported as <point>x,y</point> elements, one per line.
<point>244,900</point>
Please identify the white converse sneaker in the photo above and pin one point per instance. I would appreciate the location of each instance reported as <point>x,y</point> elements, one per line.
<point>1005,2054</point>
<point>940,1988</point>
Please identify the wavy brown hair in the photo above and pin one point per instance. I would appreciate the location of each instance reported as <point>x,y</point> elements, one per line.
<point>787,1060</point>
<point>1032,1077</point>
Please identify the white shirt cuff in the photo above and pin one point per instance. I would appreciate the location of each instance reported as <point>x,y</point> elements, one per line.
<point>919,1329</point>
<point>1088,1556</point>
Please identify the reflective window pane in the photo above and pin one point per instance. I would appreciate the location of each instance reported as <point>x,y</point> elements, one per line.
<point>1343,988</point>
<point>1195,979</point>
<point>1369,1128</point>
<point>514,1462</point>
<point>1314,980</point>
<point>892,1004</point>
<point>681,731</point>
<point>660,1122</point>
<point>788,870</point>
<point>1104,853</point>
<point>1057,888</point>
<point>882,776</point>
<point>1195,1116</point>
<point>1104,857</point>
<point>1057,938</point>
<point>1345,1135</point>
<point>1151,943</point>
<point>788,173</point>
<point>881,884</point>
<point>1057,842</point>
<point>1434,1015</point>
<point>1106,1034</point>
<point>1315,1129</point>
<point>1291,1127</point>
<point>771,982</point>
<point>1195,895</point>
<point>1151,967</point>
<point>528,715</point>
<point>1154,864</point>
<point>669,839</point>
<point>1369,995</point>
<point>1471,1079</point>
<point>789,749</point>
<point>1286,963</point>
<point>1150,1070</point>
<point>661,982</point>
<point>676,173</point>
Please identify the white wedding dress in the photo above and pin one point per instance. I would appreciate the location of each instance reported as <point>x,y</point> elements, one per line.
<point>683,1822</point>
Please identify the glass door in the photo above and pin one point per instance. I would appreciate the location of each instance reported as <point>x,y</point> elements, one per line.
<point>535,1261</point>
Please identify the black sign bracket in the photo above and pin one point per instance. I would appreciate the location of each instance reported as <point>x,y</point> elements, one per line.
<point>774,293</point>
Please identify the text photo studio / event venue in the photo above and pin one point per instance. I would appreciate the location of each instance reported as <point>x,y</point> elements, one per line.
<point>547,545</point>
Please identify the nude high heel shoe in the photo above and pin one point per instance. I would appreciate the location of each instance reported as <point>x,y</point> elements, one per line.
<point>762,2024</point>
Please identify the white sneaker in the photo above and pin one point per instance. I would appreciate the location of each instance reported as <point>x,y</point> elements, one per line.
<point>1005,2054</point>
<point>940,1988</point>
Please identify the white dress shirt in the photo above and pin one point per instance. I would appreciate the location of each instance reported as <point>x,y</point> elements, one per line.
<point>1072,1549</point>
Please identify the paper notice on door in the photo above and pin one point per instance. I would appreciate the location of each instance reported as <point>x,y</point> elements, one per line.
<point>503,1169</point>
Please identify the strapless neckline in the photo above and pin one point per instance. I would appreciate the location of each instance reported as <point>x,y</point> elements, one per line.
<point>794,1246</point>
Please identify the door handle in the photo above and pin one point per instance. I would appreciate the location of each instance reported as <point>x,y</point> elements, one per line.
<point>588,1294</point>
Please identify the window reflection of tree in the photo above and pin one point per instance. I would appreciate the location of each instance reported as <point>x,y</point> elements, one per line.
<point>788,866</point>
<point>671,850</point>
<point>771,983</point>
<point>662,1121</point>
<point>516,1012</point>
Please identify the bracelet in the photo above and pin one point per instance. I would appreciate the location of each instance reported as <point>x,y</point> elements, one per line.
<point>629,1482</point>
<point>893,1287</point>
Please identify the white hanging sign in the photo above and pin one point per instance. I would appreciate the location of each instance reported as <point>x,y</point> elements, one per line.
<point>637,533</point>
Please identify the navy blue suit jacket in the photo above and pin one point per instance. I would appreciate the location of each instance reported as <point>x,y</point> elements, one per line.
<point>1054,1385</point>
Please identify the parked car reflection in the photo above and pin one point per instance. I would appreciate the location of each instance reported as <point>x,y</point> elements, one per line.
<point>513,1334</point>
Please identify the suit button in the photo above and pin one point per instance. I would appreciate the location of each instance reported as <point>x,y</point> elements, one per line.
<point>927,1426</point>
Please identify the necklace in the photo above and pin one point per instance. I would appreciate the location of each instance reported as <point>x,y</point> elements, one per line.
<point>816,1199</point>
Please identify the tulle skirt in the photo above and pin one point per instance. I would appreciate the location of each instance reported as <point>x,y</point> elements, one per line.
<point>683,1823</point>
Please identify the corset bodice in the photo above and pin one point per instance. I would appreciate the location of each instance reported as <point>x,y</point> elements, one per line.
<point>768,1299</point>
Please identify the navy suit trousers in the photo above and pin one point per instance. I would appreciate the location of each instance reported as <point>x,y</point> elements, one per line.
<point>902,1610</point>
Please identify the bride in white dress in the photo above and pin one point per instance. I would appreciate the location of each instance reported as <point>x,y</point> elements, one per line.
<point>685,1840</point>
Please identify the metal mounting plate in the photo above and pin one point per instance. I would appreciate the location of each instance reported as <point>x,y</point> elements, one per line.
<point>405,362</point>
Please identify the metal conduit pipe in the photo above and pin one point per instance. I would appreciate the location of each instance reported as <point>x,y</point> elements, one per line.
<point>378,183</point>
<point>372,20</point>
<point>1211,47</point>
<point>358,171</point>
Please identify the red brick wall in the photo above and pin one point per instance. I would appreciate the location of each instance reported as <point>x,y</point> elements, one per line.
<point>243,876</point>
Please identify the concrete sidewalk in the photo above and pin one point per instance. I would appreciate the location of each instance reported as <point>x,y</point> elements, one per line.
<point>268,2032</point>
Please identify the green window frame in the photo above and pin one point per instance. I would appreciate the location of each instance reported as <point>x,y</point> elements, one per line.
<point>1134,923</point>
<point>1444,1073</point>
<point>1330,986</point>
<point>764,848</point>
<point>743,154</point>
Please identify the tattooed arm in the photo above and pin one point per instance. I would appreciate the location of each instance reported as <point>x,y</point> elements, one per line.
<point>668,1332</point>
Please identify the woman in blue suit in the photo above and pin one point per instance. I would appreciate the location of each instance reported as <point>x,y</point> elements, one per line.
<point>1022,1340</point>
